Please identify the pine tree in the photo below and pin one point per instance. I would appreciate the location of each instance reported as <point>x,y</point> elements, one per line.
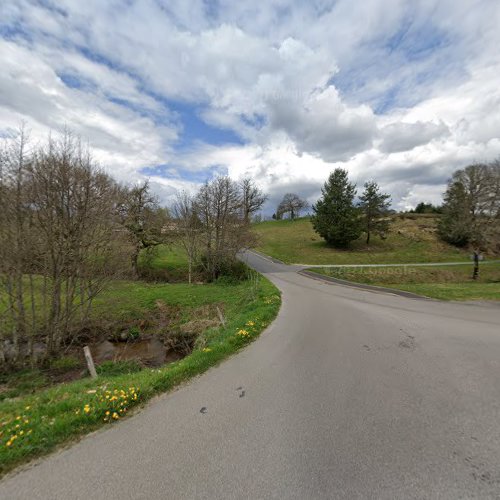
<point>335,218</point>
<point>374,206</point>
<point>456,223</point>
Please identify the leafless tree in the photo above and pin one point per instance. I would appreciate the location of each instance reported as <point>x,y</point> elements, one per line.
<point>471,212</point>
<point>143,218</point>
<point>188,228</point>
<point>252,198</point>
<point>57,242</point>
<point>224,232</point>
<point>291,204</point>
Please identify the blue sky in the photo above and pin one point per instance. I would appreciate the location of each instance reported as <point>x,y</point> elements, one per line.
<point>400,91</point>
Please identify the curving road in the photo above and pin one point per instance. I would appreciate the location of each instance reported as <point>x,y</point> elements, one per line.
<point>349,394</point>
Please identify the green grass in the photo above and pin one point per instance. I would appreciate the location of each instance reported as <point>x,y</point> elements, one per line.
<point>165,262</point>
<point>440,282</point>
<point>52,416</point>
<point>410,240</point>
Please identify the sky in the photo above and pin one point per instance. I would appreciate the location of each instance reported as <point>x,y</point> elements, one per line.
<point>402,92</point>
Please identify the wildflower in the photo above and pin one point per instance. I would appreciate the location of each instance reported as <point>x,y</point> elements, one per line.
<point>250,323</point>
<point>8,443</point>
<point>116,416</point>
<point>86,409</point>
<point>207,349</point>
<point>27,407</point>
<point>91,391</point>
<point>107,413</point>
<point>242,332</point>
<point>26,421</point>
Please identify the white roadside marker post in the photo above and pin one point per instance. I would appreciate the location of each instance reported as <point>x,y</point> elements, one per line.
<point>90,361</point>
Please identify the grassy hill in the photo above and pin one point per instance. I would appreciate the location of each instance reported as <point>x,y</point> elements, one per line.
<point>412,239</point>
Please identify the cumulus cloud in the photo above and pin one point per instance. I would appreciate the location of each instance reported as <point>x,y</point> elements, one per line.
<point>398,91</point>
<point>403,136</point>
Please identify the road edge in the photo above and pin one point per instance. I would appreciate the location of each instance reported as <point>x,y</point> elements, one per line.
<point>363,286</point>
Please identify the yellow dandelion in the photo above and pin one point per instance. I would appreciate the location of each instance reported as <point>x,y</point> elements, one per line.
<point>115,415</point>
<point>8,443</point>
<point>27,407</point>
<point>207,349</point>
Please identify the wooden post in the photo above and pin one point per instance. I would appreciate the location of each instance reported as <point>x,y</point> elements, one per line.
<point>90,361</point>
<point>221,317</point>
<point>475,273</point>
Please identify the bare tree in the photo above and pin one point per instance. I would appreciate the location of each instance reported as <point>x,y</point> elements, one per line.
<point>252,198</point>
<point>57,247</point>
<point>187,228</point>
<point>471,210</point>
<point>224,233</point>
<point>16,233</point>
<point>291,204</point>
<point>144,219</point>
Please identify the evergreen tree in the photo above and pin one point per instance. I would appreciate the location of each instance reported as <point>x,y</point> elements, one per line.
<point>374,206</point>
<point>335,218</point>
<point>455,225</point>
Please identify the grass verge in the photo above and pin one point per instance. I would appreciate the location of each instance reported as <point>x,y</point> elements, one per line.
<point>33,425</point>
<point>410,240</point>
<point>439,282</point>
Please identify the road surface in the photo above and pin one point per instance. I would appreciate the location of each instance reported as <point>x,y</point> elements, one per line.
<point>349,394</point>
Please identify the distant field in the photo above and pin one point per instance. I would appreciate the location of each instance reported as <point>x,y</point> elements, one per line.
<point>410,240</point>
<point>440,282</point>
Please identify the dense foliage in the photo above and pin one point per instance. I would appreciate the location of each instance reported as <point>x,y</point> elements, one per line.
<point>335,218</point>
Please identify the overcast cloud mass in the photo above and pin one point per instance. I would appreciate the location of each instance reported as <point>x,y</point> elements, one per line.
<point>400,91</point>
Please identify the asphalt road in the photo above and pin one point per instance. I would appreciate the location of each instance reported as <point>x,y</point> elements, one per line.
<point>349,394</point>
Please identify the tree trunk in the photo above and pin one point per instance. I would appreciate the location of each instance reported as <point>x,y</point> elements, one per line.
<point>135,260</point>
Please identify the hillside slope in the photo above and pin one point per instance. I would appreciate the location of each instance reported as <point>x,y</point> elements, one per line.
<point>412,239</point>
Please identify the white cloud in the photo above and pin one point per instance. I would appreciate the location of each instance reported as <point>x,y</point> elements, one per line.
<point>399,91</point>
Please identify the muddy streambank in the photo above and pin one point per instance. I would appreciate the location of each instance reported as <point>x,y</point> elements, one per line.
<point>149,352</point>
<point>161,336</point>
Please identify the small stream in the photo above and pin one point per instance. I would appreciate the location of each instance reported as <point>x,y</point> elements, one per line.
<point>150,352</point>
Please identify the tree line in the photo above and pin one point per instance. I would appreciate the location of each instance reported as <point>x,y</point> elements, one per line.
<point>67,228</point>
